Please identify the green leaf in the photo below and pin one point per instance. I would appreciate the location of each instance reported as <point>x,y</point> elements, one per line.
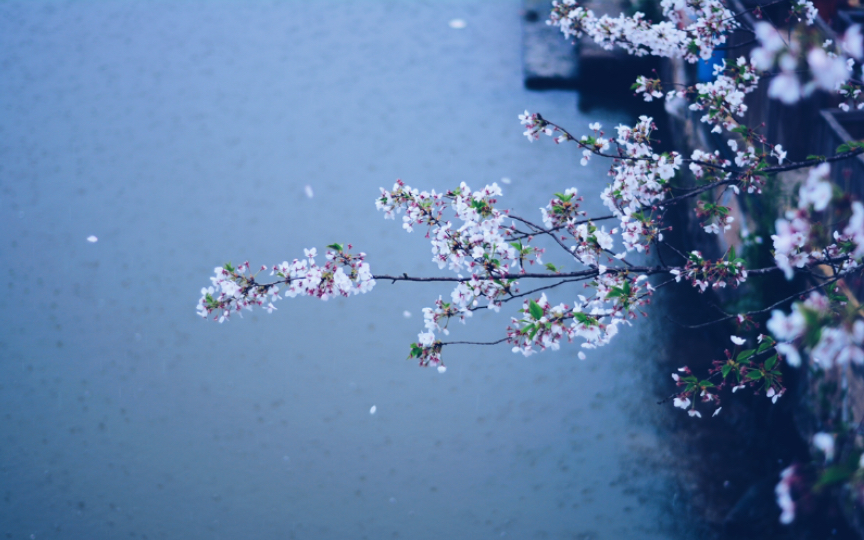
<point>533,332</point>
<point>725,370</point>
<point>584,319</point>
<point>706,384</point>
<point>551,267</point>
<point>536,310</point>
<point>835,475</point>
<point>843,148</point>
<point>337,247</point>
<point>771,362</point>
<point>732,253</point>
<point>814,156</point>
<point>754,375</point>
<point>767,341</point>
<point>743,355</point>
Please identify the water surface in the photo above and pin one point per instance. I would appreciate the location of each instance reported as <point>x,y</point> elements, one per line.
<point>183,135</point>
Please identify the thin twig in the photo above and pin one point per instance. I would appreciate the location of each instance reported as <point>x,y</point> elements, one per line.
<point>774,305</point>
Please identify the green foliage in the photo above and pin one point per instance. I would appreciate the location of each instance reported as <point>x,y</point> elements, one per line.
<point>536,310</point>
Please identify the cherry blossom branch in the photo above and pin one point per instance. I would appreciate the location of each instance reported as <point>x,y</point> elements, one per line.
<point>776,304</point>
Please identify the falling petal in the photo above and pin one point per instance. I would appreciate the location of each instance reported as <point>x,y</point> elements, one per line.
<point>92,239</point>
<point>458,24</point>
<point>373,409</point>
<point>442,369</point>
<point>309,192</point>
<point>406,314</point>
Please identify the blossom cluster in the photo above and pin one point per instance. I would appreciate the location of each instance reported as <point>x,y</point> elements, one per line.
<point>722,99</point>
<point>828,335</point>
<point>712,20</point>
<point>235,289</point>
<point>783,491</point>
<point>797,243</point>
<point>496,253</point>
<point>595,320</point>
<point>758,368</point>
<point>641,176</point>
<point>829,69</point>
<point>704,273</point>
<point>640,180</point>
<point>479,244</point>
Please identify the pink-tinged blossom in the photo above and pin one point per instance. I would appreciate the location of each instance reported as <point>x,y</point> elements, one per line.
<point>855,229</point>
<point>785,87</point>
<point>649,88</point>
<point>790,240</point>
<point>723,98</point>
<point>853,42</point>
<point>779,153</point>
<point>840,342</point>
<point>770,43</point>
<point>534,126</point>
<point>828,72</point>
<point>639,37</point>
<point>783,492</point>
<point>787,327</point>
<point>426,338</point>
<point>773,394</point>
<point>836,346</point>
<point>817,190</point>
<point>681,403</point>
<point>235,289</point>
<point>824,442</point>
<point>806,9</point>
<point>790,353</point>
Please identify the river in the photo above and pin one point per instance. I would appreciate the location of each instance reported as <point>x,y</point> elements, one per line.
<point>185,134</point>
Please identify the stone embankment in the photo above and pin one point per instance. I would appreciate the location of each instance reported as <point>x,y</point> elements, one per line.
<point>823,401</point>
<point>829,401</point>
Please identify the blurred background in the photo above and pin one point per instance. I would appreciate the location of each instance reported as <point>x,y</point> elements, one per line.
<point>183,135</point>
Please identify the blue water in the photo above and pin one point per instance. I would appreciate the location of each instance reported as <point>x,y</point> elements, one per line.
<point>183,135</point>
